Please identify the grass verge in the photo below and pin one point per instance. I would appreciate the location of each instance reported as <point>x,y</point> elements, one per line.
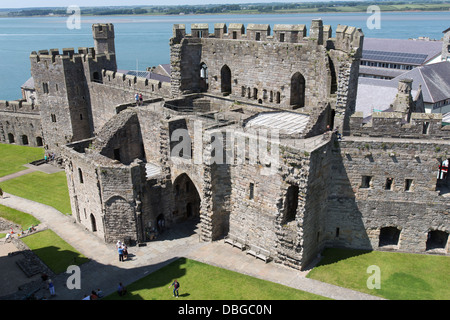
<point>54,251</point>
<point>49,189</point>
<point>403,276</point>
<point>201,281</point>
<point>24,220</point>
<point>14,157</point>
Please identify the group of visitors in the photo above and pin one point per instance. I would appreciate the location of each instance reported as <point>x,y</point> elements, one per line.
<point>49,157</point>
<point>122,250</point>
<point>139,100</point>
<point>95,295</point>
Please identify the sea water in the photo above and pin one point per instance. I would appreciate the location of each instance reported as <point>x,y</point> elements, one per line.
<point>143,41</point>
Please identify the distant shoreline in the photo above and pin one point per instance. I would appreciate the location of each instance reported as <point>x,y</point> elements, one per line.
<point>360,8</point>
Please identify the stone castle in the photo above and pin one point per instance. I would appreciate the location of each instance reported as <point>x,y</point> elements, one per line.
<point>239,137</point>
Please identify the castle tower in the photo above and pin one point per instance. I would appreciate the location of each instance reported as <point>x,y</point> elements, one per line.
<point>403,100</point>
<point>446,45</point>
<point>103,34</point>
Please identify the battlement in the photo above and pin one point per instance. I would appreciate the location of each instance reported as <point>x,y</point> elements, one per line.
<point>136,84</point>
<point>347,38</point>
<point>19,106</point>
<point>397,125</point>
<point>69,54</point>
<point>103,30</point>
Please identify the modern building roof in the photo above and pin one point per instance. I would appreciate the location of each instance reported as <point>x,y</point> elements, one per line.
<point>378,94</point>
<point>405,51</point>
<point>146,74</point>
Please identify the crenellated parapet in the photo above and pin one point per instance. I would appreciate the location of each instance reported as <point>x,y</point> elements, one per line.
<point>70,55</point>
<point>18,106</point>
<point>347,39</point>
<point>160,87</point>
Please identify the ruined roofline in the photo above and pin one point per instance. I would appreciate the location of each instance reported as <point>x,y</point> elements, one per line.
<point>345,36</point>
<point>70,54</point>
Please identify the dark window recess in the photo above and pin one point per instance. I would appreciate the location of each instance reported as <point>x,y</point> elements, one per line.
<point>389,182</point>
<point>117,154</point>
<point>408,184</point>
<point>365,182</point>
<point>251,194</point>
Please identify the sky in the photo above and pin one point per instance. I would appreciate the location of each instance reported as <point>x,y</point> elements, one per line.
<point>91,3</point>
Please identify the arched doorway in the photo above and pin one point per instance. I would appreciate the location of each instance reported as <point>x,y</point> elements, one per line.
<point>25,140</point>
<point>225,80</point>
<point>186,199</point>
<point>39,142</point>
<point>297,91</point>
<point>93,223</point>
<point>11,138</point>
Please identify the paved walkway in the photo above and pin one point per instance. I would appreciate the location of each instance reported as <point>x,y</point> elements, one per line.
<point>105,271</point>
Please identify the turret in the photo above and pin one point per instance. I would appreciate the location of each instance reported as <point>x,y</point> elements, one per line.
<point>103,38</point>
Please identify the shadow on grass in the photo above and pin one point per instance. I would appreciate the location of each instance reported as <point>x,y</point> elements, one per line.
<point>166,272</point>
<point>334,255</point>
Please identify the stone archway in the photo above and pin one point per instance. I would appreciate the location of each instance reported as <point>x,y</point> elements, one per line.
<point>225,78</point>
<point>186,199</point>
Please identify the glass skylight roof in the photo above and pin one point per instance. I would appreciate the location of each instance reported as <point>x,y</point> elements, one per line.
<point>396,57</point>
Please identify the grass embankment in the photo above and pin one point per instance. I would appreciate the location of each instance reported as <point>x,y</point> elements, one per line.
<point>403,276</point>
<point>14,157</point>
<point>201,281</point>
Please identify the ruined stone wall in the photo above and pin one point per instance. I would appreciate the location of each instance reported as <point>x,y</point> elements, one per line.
<point>358,208</point>
<point>20,123</point>
<point>397,124</point>
<point>84,190</point>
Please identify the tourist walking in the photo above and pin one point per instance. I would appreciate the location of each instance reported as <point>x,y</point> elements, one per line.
<point>1,193</point>
<point>176,285</point>
<point>125,251</point>
<point>120,250</point>
<point>121,290</point>
<point>51,287</point>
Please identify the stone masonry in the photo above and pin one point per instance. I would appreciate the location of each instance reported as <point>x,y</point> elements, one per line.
<point>238,139</point>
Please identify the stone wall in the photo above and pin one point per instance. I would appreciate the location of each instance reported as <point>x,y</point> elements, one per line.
<point>359,206</point>
<point>20,123</point>
<point>264,68</point>
<point>397,124</point>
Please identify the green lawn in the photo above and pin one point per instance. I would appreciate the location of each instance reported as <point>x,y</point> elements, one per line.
<point>403,276</point>
<point>49,189</point>
<point>199,281</point>
<point>14,157</point>
<point>54,251</point>
<point>22,219</point>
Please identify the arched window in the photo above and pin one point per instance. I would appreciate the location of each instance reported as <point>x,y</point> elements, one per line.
<point>204,77</point>
<point>39,142</point>
<point>25,140</point>
<point>93,223</point>
<point>225,76</point>
<point>11,138</point>
<point>297,91</point>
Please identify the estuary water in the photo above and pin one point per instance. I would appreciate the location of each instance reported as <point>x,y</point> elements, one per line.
<point>143,41</point>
